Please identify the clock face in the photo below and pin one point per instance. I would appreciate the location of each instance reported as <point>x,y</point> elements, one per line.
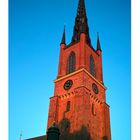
<point>68,84</point>
<point>95,88</point>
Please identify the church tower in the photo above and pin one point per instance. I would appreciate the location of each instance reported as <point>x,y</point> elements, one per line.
<point>79,105</point>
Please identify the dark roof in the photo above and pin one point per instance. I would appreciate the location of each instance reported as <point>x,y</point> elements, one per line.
<point>39,138</point>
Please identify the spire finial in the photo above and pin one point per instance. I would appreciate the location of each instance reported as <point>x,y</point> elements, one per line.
<point>81,24</point>
<point>98,42</point>
<point>63,37</point>
<point>98,34</point>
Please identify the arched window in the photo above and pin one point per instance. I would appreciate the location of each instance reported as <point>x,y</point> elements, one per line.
<point>92,66</point>
<point>71,63</point>
<point>93,109</point>
<point>68,106</point>
<point>105,138</point>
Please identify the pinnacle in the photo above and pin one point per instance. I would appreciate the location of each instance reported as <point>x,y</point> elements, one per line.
<point>63,41</point>
<point>98,42</point>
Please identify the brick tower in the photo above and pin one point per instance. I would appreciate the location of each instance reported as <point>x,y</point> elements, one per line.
<point>79,105</point>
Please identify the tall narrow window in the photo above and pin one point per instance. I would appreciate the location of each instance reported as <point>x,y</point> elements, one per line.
<point>92,66</point>
<point>71,63</point>
<point>68,106</point>
<point>105,138</point>
<point>93,109</point>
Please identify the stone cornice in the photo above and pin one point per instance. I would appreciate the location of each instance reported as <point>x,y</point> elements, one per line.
<point>78,71</point>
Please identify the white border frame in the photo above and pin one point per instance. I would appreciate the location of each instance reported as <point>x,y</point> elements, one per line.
<point>4,69</point>
<point>135,67</point>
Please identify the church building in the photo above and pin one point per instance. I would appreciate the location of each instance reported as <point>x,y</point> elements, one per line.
<point>78,107</point>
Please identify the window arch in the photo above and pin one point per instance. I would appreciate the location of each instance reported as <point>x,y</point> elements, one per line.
<point>68,106</point>
<point>92,66</point>
<point>71,63</point>
<point>105,138</point>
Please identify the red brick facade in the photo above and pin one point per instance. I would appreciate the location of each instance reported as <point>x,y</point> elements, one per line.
<point>88,113</point>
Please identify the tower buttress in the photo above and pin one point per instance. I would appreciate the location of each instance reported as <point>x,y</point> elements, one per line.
<point>62,46</point>
<point>99,52</point>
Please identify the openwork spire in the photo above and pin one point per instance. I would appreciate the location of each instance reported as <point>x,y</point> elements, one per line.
<point>63,37</point>
<point>98,43</point>
<point>81,23</point>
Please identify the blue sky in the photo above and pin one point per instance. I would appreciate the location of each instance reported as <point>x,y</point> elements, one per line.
<point>35,31</point>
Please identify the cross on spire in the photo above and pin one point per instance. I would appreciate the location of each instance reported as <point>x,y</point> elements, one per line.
<point>81,23</point>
